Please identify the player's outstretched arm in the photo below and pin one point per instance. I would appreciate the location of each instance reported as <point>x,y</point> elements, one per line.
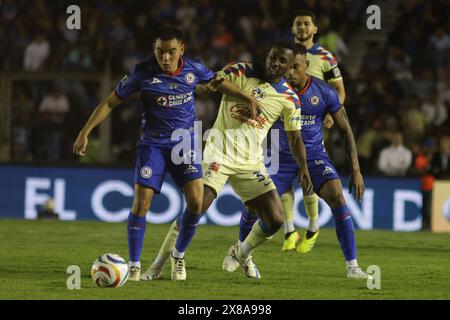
<point>356,183</point>
<point>298,151</point>
<point>97,116</point>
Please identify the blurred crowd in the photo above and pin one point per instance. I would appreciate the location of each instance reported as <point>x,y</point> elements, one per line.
<point>398,103</point>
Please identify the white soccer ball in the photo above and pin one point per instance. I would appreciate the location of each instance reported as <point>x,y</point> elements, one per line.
<point>109,270</point>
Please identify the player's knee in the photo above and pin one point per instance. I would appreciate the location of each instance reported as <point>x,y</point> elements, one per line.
<point>195,206</point>
<point>336,200</point>
<point>140,207</point>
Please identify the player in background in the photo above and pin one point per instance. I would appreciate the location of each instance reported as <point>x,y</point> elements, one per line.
<point>244,169</point>
<point>322,65</point>
<point>317,98</point>
<point>166,82</point>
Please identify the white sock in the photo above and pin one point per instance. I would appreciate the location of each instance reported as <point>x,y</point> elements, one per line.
<point>351,263</point>
<point>177,254</point>
<point>289,227</point>
<point>313,225</point>
<point>134,264</point>
<point>245,249</point>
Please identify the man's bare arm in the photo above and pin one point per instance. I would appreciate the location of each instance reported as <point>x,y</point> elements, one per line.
<point>298,151</point>
<point>97,116</point>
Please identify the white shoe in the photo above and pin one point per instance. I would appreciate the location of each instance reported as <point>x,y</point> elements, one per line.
<point>178,269</point>
<point>248,266</point>
<point>135,273</point>
<point>356,273</point>
<point>153,273</point>
<point>229,263</point>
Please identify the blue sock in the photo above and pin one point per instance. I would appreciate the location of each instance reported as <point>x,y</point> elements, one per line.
<point>136,232</point>
<point>246,224</point>
<point>344,231</point>
<point>187,227</point>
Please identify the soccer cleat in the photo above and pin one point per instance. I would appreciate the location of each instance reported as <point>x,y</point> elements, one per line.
<point>356,273</point>
<point>153,273</point>
<point>230,264</point>
<point>178,269</point>
<point>135,273</point>
<point>305,245</point>
<point>248,266</point>
<point>290,243</point>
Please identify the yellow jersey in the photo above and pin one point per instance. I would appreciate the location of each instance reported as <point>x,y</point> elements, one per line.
<point>322,64</point>
<point>235,139</point>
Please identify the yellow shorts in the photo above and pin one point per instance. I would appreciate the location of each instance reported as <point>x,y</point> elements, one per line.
<point>249,183</point>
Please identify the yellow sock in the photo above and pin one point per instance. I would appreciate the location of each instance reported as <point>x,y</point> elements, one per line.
<point>288,205</point>
<point>312,210</point>
<point>255,238</point>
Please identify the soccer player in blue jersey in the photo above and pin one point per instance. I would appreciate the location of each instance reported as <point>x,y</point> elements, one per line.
<point>166,82</point>
<point>317,98</point>
<point>323,65</point>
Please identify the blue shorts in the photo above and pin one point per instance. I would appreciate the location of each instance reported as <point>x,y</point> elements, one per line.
<point>154,160</point>
<point>320,170</point>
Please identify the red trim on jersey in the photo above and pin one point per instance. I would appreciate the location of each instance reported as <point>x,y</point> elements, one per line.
<point>306,87</point>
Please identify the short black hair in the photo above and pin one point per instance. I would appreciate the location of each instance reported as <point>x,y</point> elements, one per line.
<point>169,33</point>
<point>296,48</point>
<point>306,13</point>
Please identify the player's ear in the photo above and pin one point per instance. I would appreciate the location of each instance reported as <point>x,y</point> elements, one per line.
<point>307,63</point>
<point>182,47</point>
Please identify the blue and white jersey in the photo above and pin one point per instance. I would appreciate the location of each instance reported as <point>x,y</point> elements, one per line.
<point>317,98</point>
<point>167,99</point>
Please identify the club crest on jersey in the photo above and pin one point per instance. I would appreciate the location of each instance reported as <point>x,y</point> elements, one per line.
<point>162,101</point>
<point>314,100</point>
<point>190,78</point>
<point>258,93</point>
<point>146,172</point>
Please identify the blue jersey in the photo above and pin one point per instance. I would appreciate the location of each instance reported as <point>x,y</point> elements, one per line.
<point>317,98</point>
<point>167,99</point>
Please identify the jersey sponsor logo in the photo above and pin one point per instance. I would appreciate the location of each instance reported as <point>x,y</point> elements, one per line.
<point>214,166</point>
<point>314,100</point>
<point>190,77</point>
<point>146,172</point>
<point>190,169</point>
<point>258,93</point>
<point>336,72</point>
<point>241,112</point>
<point>162,101</point>
<point>327,170</point>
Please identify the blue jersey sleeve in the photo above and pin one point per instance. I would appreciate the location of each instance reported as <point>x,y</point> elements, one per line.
<point>332,99</point>
<point>203,73</point>
<point>128,85</point>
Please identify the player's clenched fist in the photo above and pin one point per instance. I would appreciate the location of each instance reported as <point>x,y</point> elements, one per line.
<point>79,146</point>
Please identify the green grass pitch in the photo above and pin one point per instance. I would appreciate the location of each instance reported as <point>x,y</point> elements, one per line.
<point>35,256</point>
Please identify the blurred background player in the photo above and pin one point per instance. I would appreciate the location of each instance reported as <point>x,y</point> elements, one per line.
<point>240,165</point>
<point>323,65</point>
<point>166,82</point>
<point>317,99</point>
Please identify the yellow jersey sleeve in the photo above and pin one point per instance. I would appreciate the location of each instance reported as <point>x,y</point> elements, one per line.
<point>237,73</point>
<point>323,65</point>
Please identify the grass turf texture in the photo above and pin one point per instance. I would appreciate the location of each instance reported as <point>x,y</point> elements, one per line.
<point>35,256</point>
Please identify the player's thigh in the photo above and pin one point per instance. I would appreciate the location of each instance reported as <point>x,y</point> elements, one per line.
<point>193,194</point>
<point>150,166</point>
<point>208,197</point>
<point>331,192</point>
<point>142,200</point>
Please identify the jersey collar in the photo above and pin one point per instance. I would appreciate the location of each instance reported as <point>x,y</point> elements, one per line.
<point>306,87</point>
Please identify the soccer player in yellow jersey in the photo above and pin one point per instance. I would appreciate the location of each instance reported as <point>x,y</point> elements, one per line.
<point>321,64</point>
<point>230,156</point>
